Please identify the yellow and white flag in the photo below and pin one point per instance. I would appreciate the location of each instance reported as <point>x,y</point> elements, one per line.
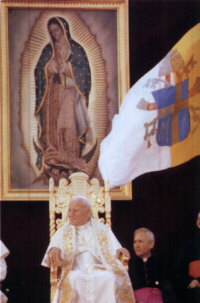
<point>158,125</point>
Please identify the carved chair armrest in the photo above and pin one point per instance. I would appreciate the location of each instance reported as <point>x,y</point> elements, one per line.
<point>55,274</point>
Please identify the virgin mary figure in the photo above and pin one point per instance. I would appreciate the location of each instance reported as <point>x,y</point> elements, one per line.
<point>63,81</point>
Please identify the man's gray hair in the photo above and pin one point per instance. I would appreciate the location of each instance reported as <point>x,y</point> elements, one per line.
<point>150,235</point>
<point>81,198</point>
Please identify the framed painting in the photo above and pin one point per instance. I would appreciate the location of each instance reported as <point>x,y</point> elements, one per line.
<point>64,71</point>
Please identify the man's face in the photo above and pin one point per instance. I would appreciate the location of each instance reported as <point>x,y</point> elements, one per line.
<point>78,213</point>
<point>141,245</point>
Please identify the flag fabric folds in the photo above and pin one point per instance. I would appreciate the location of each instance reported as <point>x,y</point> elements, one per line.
<point>158,125</point>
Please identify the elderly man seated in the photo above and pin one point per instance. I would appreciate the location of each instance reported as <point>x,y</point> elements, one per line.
<point>88,253</point>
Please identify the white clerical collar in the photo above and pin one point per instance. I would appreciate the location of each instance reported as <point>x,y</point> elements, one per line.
<point>81,227</point>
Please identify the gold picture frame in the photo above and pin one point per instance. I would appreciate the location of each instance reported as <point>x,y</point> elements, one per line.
<point>101,27</point>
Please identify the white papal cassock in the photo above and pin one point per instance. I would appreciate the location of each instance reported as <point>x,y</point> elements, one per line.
<point>91,272</point>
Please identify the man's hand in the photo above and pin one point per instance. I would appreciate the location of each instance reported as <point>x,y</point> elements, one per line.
<point>194,283</point>
<point>122,253</point>
<point>54,257</point>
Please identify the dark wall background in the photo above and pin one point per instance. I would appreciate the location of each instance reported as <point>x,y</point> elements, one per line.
<point>167,202</point>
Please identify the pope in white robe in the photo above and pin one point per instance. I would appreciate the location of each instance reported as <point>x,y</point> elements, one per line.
<point>88,251</point>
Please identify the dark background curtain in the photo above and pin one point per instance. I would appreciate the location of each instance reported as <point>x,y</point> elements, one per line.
<point>167,202</point>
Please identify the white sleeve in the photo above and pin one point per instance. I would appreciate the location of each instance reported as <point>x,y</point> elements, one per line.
<point>3,269</point>
<point>56,241</point>
<point>4,252</point>
<point>113,240</point>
